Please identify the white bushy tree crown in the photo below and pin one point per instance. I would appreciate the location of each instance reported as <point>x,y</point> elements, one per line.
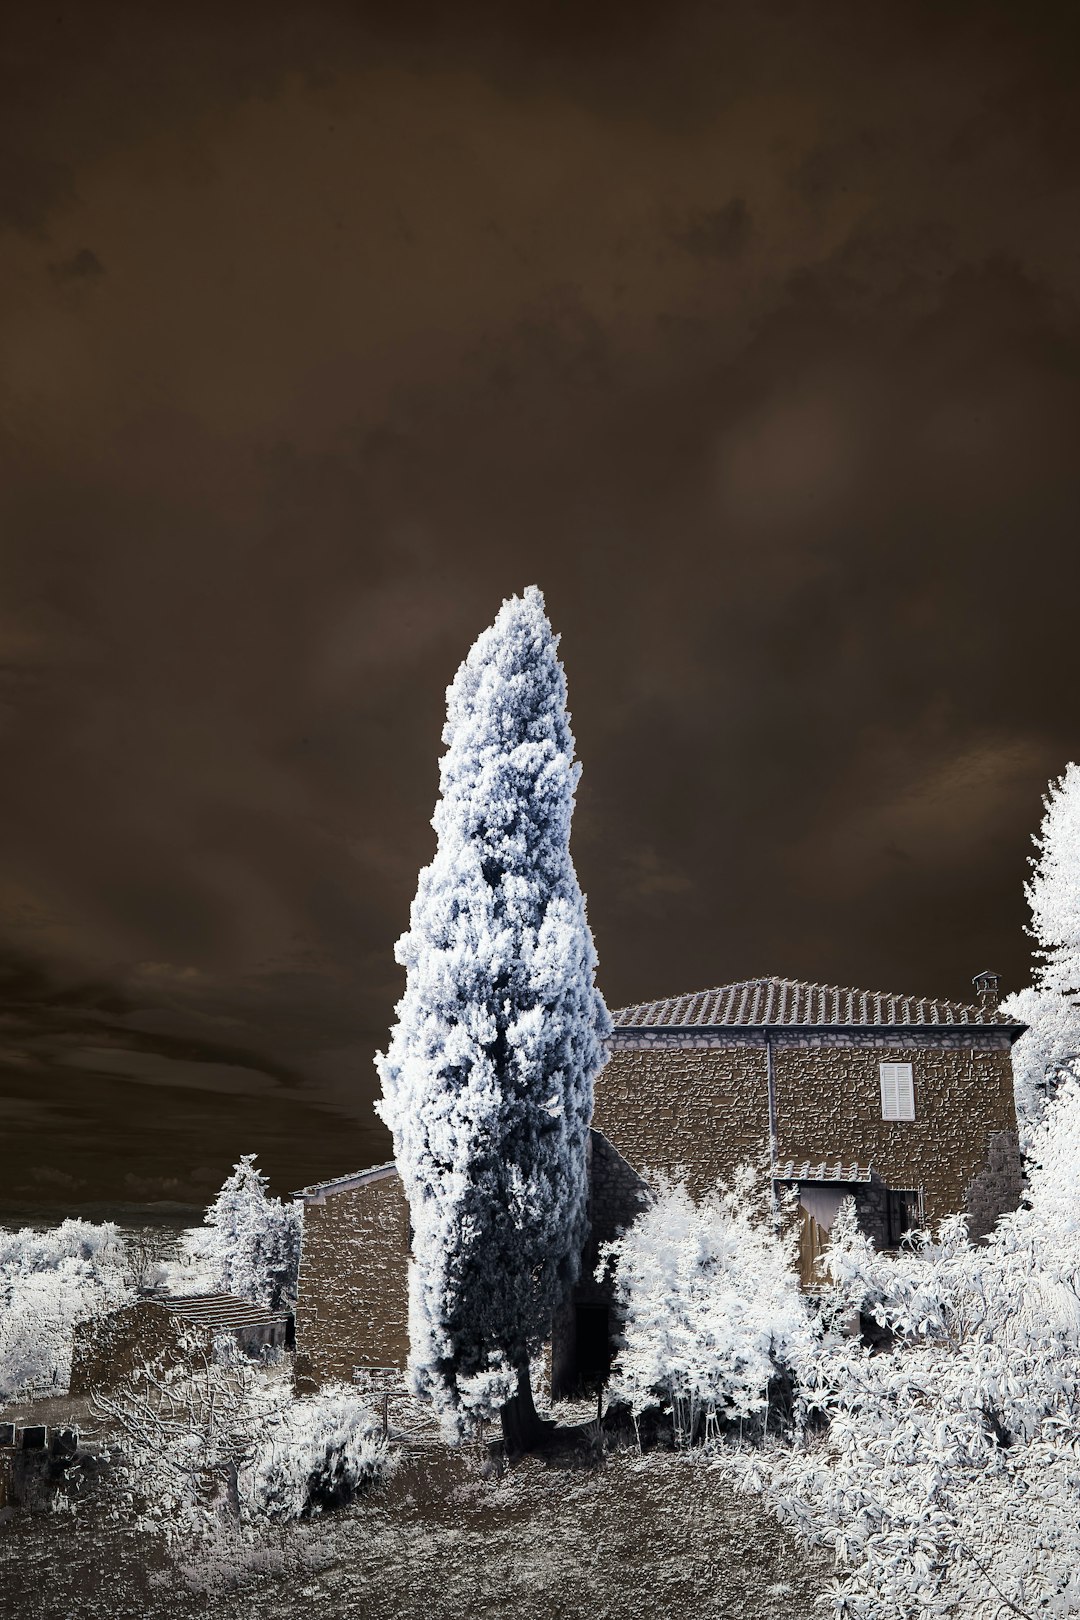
<point>488,1078</point>
<point>252,1241</point>
<point>1054,890</point>
<point>1051,1007</point>
<point>709,1301</point>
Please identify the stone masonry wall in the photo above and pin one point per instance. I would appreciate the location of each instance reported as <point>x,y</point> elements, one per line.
<point>828,1101</point>
<point>617,1195</point>
<point>352,1296</point>
<point>692,1111</point>
<point>107,1349</point>
<point>699,1109</point>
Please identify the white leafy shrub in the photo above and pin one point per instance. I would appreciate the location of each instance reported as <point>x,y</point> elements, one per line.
<point>709,1302</point>
<point>948,1479</point>
<point>206,1440</point>
<point>49,1281</point>
<point>318,1453</point>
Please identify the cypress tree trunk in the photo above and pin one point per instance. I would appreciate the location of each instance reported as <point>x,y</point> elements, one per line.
<point>523,1428</point>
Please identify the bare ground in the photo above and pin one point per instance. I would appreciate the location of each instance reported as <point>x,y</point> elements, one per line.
<point>658,1535</point>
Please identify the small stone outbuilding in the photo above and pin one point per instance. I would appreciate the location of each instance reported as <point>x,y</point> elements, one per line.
<point>106,1349</point>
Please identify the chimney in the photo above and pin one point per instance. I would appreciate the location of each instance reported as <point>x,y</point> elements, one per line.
<point>986,987</point>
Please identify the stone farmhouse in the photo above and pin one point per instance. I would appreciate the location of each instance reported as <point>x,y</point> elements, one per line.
<point>904,1104</point>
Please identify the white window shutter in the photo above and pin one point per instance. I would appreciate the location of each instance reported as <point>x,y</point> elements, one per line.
<point>888,1091</point>
<point>905,1092</point>
<point>897,1091</point>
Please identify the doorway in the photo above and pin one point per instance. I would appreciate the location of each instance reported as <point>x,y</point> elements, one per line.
<point>592,1333</point>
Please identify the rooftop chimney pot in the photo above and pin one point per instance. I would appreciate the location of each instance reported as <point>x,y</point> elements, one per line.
<point>986,987</point>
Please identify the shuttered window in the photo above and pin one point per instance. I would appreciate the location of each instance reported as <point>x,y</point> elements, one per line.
<point>897,1091</point>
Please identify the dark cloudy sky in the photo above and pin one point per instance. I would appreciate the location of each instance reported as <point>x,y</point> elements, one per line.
<point>749,332</point>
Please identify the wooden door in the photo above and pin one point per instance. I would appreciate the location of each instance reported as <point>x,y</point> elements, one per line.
<point>813,1241</point>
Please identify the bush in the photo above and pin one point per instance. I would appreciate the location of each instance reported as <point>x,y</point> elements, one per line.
<point>712,1314</point>
<point>319,1454</point>
<point>49,1281</point>
<point>208,1440</point>
<point>948,1476</point>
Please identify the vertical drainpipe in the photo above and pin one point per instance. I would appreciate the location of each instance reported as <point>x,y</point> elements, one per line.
<point>770,1082</point>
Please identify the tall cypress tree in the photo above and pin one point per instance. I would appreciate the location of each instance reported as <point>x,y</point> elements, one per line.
<point>488,1079</point>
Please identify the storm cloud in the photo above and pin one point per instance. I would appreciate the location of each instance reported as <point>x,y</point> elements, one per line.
<point>750,334</point>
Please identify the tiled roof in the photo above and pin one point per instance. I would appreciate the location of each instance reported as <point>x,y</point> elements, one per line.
<point>771,1002</point>
<point>218,1310</point>
<point>828,1170</point>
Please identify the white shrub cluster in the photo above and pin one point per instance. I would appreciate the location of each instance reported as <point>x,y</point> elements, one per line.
<point>49,1281</point>
<point>949,1476</point>
<point>206,1439</point>
<point>315,1454</point>
<point>709,1302</point>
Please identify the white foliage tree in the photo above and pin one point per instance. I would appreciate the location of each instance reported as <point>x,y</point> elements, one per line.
<point>49,1282</point>
<point>1048,1048</point>
<point>710,1306</point>
<point>251,1241</point>
<point>948,1477</point>
<point>1051,1008</point>
<point>488,1078</point>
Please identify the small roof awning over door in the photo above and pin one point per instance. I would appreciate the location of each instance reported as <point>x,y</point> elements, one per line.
<point>827,1170</point>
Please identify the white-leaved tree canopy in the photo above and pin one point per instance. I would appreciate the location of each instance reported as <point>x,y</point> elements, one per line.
<point>488,1078</point>
<point>49,1282</point>
<point>1051,1007</point>
<point>251,1241</point>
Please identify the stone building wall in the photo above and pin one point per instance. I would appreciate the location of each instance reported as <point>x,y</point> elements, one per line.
<point>828,1101</point>
<point>352,1295</point>
<point>617,1194</point>
<point>106,1350</point>
<point>698,1105</point>
<point>998,1186</point>
<point>698,1110</point>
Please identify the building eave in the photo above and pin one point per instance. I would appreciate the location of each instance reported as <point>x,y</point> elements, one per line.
<point>319,1191</point>
<point>1014,1031</point>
